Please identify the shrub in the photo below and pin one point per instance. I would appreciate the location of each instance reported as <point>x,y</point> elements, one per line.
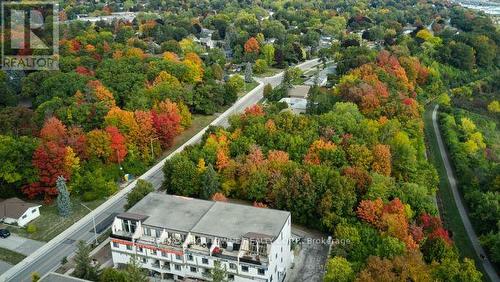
<point>31,228</point>
<point>260,66</point>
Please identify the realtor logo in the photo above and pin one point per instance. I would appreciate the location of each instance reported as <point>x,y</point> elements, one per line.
<point>30,36</point>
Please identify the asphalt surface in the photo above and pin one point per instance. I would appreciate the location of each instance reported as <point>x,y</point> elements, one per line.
<point>49,257</point>
<point>311,258</point>
<point>488,267</point>
<point>20,244</point>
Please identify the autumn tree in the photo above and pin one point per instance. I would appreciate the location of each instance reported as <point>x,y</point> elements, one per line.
<point>118,146</point>
<point>54,131</point>
<point>381,159</point>
<point>49,161</point>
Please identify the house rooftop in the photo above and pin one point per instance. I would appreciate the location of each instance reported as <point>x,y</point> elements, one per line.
<point>171,212</point>
<point>14,207</point>
<point>56,277</point>
<point>233,221</point>
<point>219,219</point>
<point>299,91</point>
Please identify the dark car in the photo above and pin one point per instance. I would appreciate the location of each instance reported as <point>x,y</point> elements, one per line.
<point>4,233</point>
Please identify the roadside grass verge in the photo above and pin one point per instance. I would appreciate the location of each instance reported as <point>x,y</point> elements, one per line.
<point>10,256</point>
<point>446,203</point>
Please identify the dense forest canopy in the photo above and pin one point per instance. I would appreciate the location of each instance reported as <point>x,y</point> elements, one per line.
<point>354,165</point>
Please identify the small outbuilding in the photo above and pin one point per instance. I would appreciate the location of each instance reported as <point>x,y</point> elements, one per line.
<point>17,211</point>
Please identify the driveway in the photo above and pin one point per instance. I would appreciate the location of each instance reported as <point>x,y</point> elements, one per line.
<point>309,261</point>
<point>20,244</point>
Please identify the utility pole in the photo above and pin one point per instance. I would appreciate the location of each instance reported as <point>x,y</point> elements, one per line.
<point>93,221</point>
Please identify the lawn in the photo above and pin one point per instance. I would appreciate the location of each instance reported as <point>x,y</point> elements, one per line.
<point>10,256</point>
<point>249,87</point>
<point>447,207</point>
<point>269,72</point>
<point>199,122</point>
<point>49,224</point>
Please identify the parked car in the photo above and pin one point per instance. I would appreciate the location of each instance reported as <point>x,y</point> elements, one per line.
<point>4,233</point>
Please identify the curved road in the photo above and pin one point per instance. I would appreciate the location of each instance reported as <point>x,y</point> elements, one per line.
<point>488,267</point>
<point>49,256</point>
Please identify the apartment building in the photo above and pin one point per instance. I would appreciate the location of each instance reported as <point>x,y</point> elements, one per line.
<point>181,238</point>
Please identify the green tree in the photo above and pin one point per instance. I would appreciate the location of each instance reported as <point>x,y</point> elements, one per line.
<point>260,66</point>
<point>141,189</point>
<point>209,182</point>
<point>236,82</point>
<point>248,73</point>
<point>338,269</point>
<point>268,53</point>
<point>35,277</point>
<point>63,200</point>
<point>218,273</point>
<point>83,263</point>
<point>134,271</point>
<point>113,275</point>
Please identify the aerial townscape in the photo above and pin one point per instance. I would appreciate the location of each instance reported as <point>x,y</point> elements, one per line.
<point>256,140</point>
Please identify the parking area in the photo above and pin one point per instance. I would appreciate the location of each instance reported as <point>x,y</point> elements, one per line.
<point>310,257</point>
<point>20,245</point>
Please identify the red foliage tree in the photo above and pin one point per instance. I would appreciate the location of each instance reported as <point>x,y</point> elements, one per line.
<point>84,71</point>
<point>167,125</point>
<point>49,161</point>
<point>255,110</point>
<point>53,130</point>
<point>118,146</point>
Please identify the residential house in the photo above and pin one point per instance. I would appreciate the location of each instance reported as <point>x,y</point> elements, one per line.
<point>17,211</point>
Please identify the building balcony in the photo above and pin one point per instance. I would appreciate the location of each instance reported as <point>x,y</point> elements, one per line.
<point>122,235</point>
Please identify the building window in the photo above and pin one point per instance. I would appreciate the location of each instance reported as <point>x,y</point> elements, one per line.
<point>116,245</point>
<point>190,257</point>
<point>244,268</point>
<point>144,260</point>
<point>139,249</point>
<point>230,276</point>
<point>129,247</point>
<point>262,271</point>
<point>164,254</point>
<point>281,259</point>
<point>178,257</point>
<point>147,231</point>
<point>177,267</point>
<point>232,265</point>
<point>193,269</point>
<point>204,261</point>
<point>24,216</point>
<point>33,210</point>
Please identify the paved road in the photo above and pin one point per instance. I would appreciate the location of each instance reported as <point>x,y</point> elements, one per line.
<point>49,256</point>
<point>488,267</point>
<point>20,244</point>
